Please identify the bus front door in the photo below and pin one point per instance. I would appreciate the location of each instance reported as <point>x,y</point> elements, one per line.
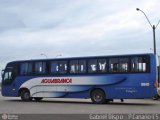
<point>8,86</point>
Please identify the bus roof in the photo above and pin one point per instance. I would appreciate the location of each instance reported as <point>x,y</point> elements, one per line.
<point>85,57</point>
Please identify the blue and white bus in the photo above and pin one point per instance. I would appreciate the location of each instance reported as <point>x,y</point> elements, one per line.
<point>101,78</point>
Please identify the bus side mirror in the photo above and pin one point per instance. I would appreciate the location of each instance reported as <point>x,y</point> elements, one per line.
<point>2,73</point>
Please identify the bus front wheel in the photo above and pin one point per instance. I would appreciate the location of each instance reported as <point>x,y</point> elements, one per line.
<point>25,95</point>
<point>98,96</point>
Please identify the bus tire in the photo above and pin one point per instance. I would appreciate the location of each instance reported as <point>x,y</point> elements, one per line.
<point>25,95</point>
<point>98,96</point>
<point>38,99</point>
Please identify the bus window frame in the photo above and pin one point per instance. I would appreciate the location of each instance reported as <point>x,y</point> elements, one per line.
<point>75,65</point>
<point>106,66</point>
<point>58,63</point>
<point>130,64</point>
<point>34,68</point>
<point>8,81</point>
<point>78,72</point>
<point>107,58</point>
<point>28,74</point>
<point>147,64</point>
<point>90,70</point>
<point>119,57</point>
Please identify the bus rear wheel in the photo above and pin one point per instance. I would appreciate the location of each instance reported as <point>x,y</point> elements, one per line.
<point>38,99</point>
<point>98,96</point>
<point>25,95</point>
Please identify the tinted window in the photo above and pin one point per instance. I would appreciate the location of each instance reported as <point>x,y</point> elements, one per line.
<point>74,66</point>
<point>123,64</point>
<point>54,67</point>
<point>7,76</point>
<point>40,67</point>
<point>62,67</point>
<point>77,66</point>
<point>82,66</point>
<point>102,65</point>
<point>139,64</point>
<point>92,66</point>
<point>59,67</point>
<point>118,65</point>
<point>25,68</point>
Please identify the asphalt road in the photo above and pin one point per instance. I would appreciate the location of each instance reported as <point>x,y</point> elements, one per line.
<point>76,106</point>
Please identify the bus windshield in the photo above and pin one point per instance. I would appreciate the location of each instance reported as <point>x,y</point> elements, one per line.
<point>2,73</point>
<point>6,76</point>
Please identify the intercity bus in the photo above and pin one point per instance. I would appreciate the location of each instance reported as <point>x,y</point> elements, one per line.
<point>101,78</point>
<point>156,97</point>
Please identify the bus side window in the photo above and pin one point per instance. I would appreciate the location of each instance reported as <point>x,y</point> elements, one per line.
<point>26,68</point>
<point>23,68</point>
<point>40,67</point>
<point>62,67</point>
<point>54,67</point>
<point>74,66</point>
<point>118,65</point>
<point>123,64</point>
<point>92,65</point>
<point>102,65</point>
<point>82,66</point>
<point>139,64</point>
<point>113,65</point>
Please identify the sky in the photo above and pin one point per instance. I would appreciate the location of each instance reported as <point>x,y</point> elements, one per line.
<point>70,28</point>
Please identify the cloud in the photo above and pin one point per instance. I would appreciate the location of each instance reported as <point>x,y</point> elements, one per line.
<point>74,28</point>
<point>9,21</point>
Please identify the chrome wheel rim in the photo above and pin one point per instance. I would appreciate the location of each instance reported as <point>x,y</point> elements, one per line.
<point>26,95</point>
<point>97,97</point>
